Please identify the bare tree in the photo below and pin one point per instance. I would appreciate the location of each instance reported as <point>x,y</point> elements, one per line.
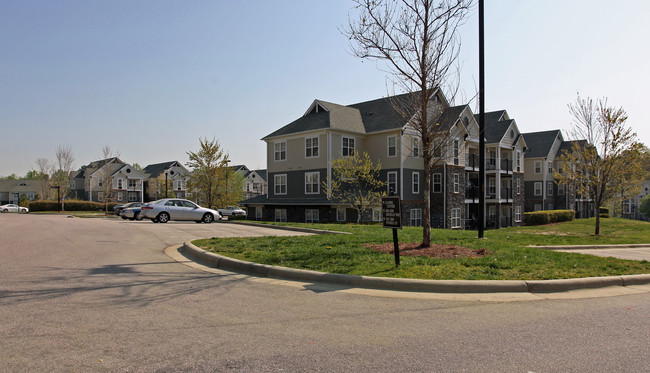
<point>65,161</point>
<point>45,170</point>
<point>105,173</point>
<point>419,42</point>
<point>612,151</point>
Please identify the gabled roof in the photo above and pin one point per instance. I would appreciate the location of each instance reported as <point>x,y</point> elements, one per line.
<point>261,173</point>
<point>365,117</point>
<point>155,170</point>
<point>540,143</point>
<point>90,168</point>
<point>567,146</point>
<point>19,185</point>
<point>496,125</point>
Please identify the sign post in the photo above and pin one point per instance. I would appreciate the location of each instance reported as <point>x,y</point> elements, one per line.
<point>392,218</point>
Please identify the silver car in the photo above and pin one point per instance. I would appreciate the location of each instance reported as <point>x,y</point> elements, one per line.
<point>167,209</point>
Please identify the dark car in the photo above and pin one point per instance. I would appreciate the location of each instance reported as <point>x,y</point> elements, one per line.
<point>118,208</point>
<point>132,213</point>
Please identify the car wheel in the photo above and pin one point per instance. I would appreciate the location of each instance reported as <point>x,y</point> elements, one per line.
<point>208,218</point>
<point>5,210</point>
<point>138,216</point>
<point>123,217</point>
<point>154,220</point>
<point>163,217</point>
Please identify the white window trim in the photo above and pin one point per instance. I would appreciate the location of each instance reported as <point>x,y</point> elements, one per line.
<point>416,215</point>
<point>455,217</point>
<point>518,214</point>
<point>540,168</point>
<point>433,182</point>
<point>313,219</point>
<point>120,183</point>
<point>354,145</point>
<point>312,147</point>
<point>376,214</point>
<point>456,183</point>
<point>518,186</point>
<point>275,184</point>
<point>415,147</point>
<point>339,209</point>
<point>549,188</point>
<point>396,189</point>
<point>282,212</point>
<point>541,188</point>
<point>415,183</point>
<point>394,138</point>
<point>276,151</point>
<point>317,183</point>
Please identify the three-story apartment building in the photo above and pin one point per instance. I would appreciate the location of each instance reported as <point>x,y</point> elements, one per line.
<point>299,157</point>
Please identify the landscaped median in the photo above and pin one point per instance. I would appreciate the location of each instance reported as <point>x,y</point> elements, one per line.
<point>506,258</point>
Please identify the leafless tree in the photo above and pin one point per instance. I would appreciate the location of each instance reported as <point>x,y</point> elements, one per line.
<point>419,43</point>
<point>45,170</point>
<point>65,161</point>
<point>105,173</point>
<point>612,151</point>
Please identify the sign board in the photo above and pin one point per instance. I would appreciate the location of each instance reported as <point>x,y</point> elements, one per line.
<point>391,214</point>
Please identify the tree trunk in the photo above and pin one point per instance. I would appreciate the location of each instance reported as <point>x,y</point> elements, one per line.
<point>597,230</point>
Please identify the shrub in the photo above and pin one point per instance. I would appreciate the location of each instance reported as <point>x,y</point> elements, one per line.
<point>604,212</point>
<point>547,217</point>
<point>72,205</point>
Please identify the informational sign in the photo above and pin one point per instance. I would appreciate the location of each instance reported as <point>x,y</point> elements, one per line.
<point>391,213</point>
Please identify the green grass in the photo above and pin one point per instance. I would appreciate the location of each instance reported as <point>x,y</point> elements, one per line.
<point>510,259</point>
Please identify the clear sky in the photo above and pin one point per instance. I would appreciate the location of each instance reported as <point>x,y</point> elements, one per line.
<point>148,78</point>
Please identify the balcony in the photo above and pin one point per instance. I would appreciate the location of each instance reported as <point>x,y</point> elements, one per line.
<point>506,193</point>
<point>471,192</point>
<point>472,162</point>
<point>506,165</point>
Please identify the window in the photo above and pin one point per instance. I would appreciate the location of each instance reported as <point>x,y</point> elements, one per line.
<point>120,196</point>
<point>549,188</point>
<point>455,217</point>
<point>518,160</point>
<point>549,206</point>
<point>134,196</point>
<point>376,214</point>
<point>416,217</point>
<point>340,214</point>
<point>517,213</point>
<point>280,149</point>
<point>179,184</point>
<point>518,186</point>
<point>312,185</point>
<point>120,183</point>
<point>560,190</point>
<point>538,188</point>
<point>100,196</point>
<point>347,146</point>
<point>492,187</point>
<point>416,183</point>
<point>31,196</point>
<point>392,146</point>
<point>437,183</point>
<point>456,152</point>
<point>311,216</point>
<point>550,167</point>
<point>311,147</point>
<point>538,207</point>
<point>281,215</point>
<point>132,183</point>
<point>392,182</point>
<point>280,184</point>
<point>456,183</point>
<point>100,182</point>
<point>538,167</point>
<point>258,213</point>
<point>415,147</point>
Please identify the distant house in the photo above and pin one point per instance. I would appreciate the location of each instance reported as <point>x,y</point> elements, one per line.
<point>12,190</point>
<point>109,179</point>
<point>631,205</point>
<point>542,191</point>
<point>164,178</point>
<point>254,184</point>
<point>299,159</point>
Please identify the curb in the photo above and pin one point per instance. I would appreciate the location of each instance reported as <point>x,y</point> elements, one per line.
<point>285,228</point>
<point>592,247</point>
<point>401,284</point>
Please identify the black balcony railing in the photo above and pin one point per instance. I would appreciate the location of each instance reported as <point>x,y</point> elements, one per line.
<point>472,161</point>
<point>491,164</point>
<point>506,193</point>
<point>471,192</point>
<point>506,221</point>
<point>506,165</point>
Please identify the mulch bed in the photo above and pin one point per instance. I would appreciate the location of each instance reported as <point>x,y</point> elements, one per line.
<point>434,251</point>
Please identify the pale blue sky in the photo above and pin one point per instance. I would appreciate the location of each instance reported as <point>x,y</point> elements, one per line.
<point>150,77</point>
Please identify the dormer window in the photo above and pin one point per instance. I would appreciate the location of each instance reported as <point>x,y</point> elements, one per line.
<point>318,108</point>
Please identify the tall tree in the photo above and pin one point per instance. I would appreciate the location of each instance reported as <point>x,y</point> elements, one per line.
<point>209,166</point>
<point>612,149</point>
<point>45,170</point>
<point>105,173</point>
<point>65,161</point>
<point>419,43</point>
<point>355,183</point>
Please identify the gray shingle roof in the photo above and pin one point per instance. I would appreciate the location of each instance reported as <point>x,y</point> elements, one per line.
<point>496,125</point>
<point>540,143</point>
<point>156,169</point>
<point>567,146</point>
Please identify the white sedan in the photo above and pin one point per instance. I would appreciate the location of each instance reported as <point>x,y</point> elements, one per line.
<point>232,211</point>
<point>167,209</point>
<point>13,208</point>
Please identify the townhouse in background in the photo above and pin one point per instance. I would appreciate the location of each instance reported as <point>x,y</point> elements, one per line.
<point>165,177</point>
<point>299,159</point>
<point>541,190</point>
<point>125,182</point>
<point>630,206</point>
<point>12,190</point>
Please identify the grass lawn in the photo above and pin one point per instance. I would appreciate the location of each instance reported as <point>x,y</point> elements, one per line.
<point>510,258</point>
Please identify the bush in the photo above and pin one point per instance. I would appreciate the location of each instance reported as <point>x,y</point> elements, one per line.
<point>604,212</point>
<point>72,205</point>
<point>547,217</point>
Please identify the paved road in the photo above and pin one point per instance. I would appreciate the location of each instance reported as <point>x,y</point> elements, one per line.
<point>101,295</point>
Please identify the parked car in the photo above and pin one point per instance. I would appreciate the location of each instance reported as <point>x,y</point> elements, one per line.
<point>167,209</point>
<point>132,213</point>
<point>232,211</point>
<point>118,208</point>
<point>13,208</point>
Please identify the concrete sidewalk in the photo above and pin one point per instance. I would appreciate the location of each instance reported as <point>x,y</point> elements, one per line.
<point>411,285</point>
<point>630,251</point>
